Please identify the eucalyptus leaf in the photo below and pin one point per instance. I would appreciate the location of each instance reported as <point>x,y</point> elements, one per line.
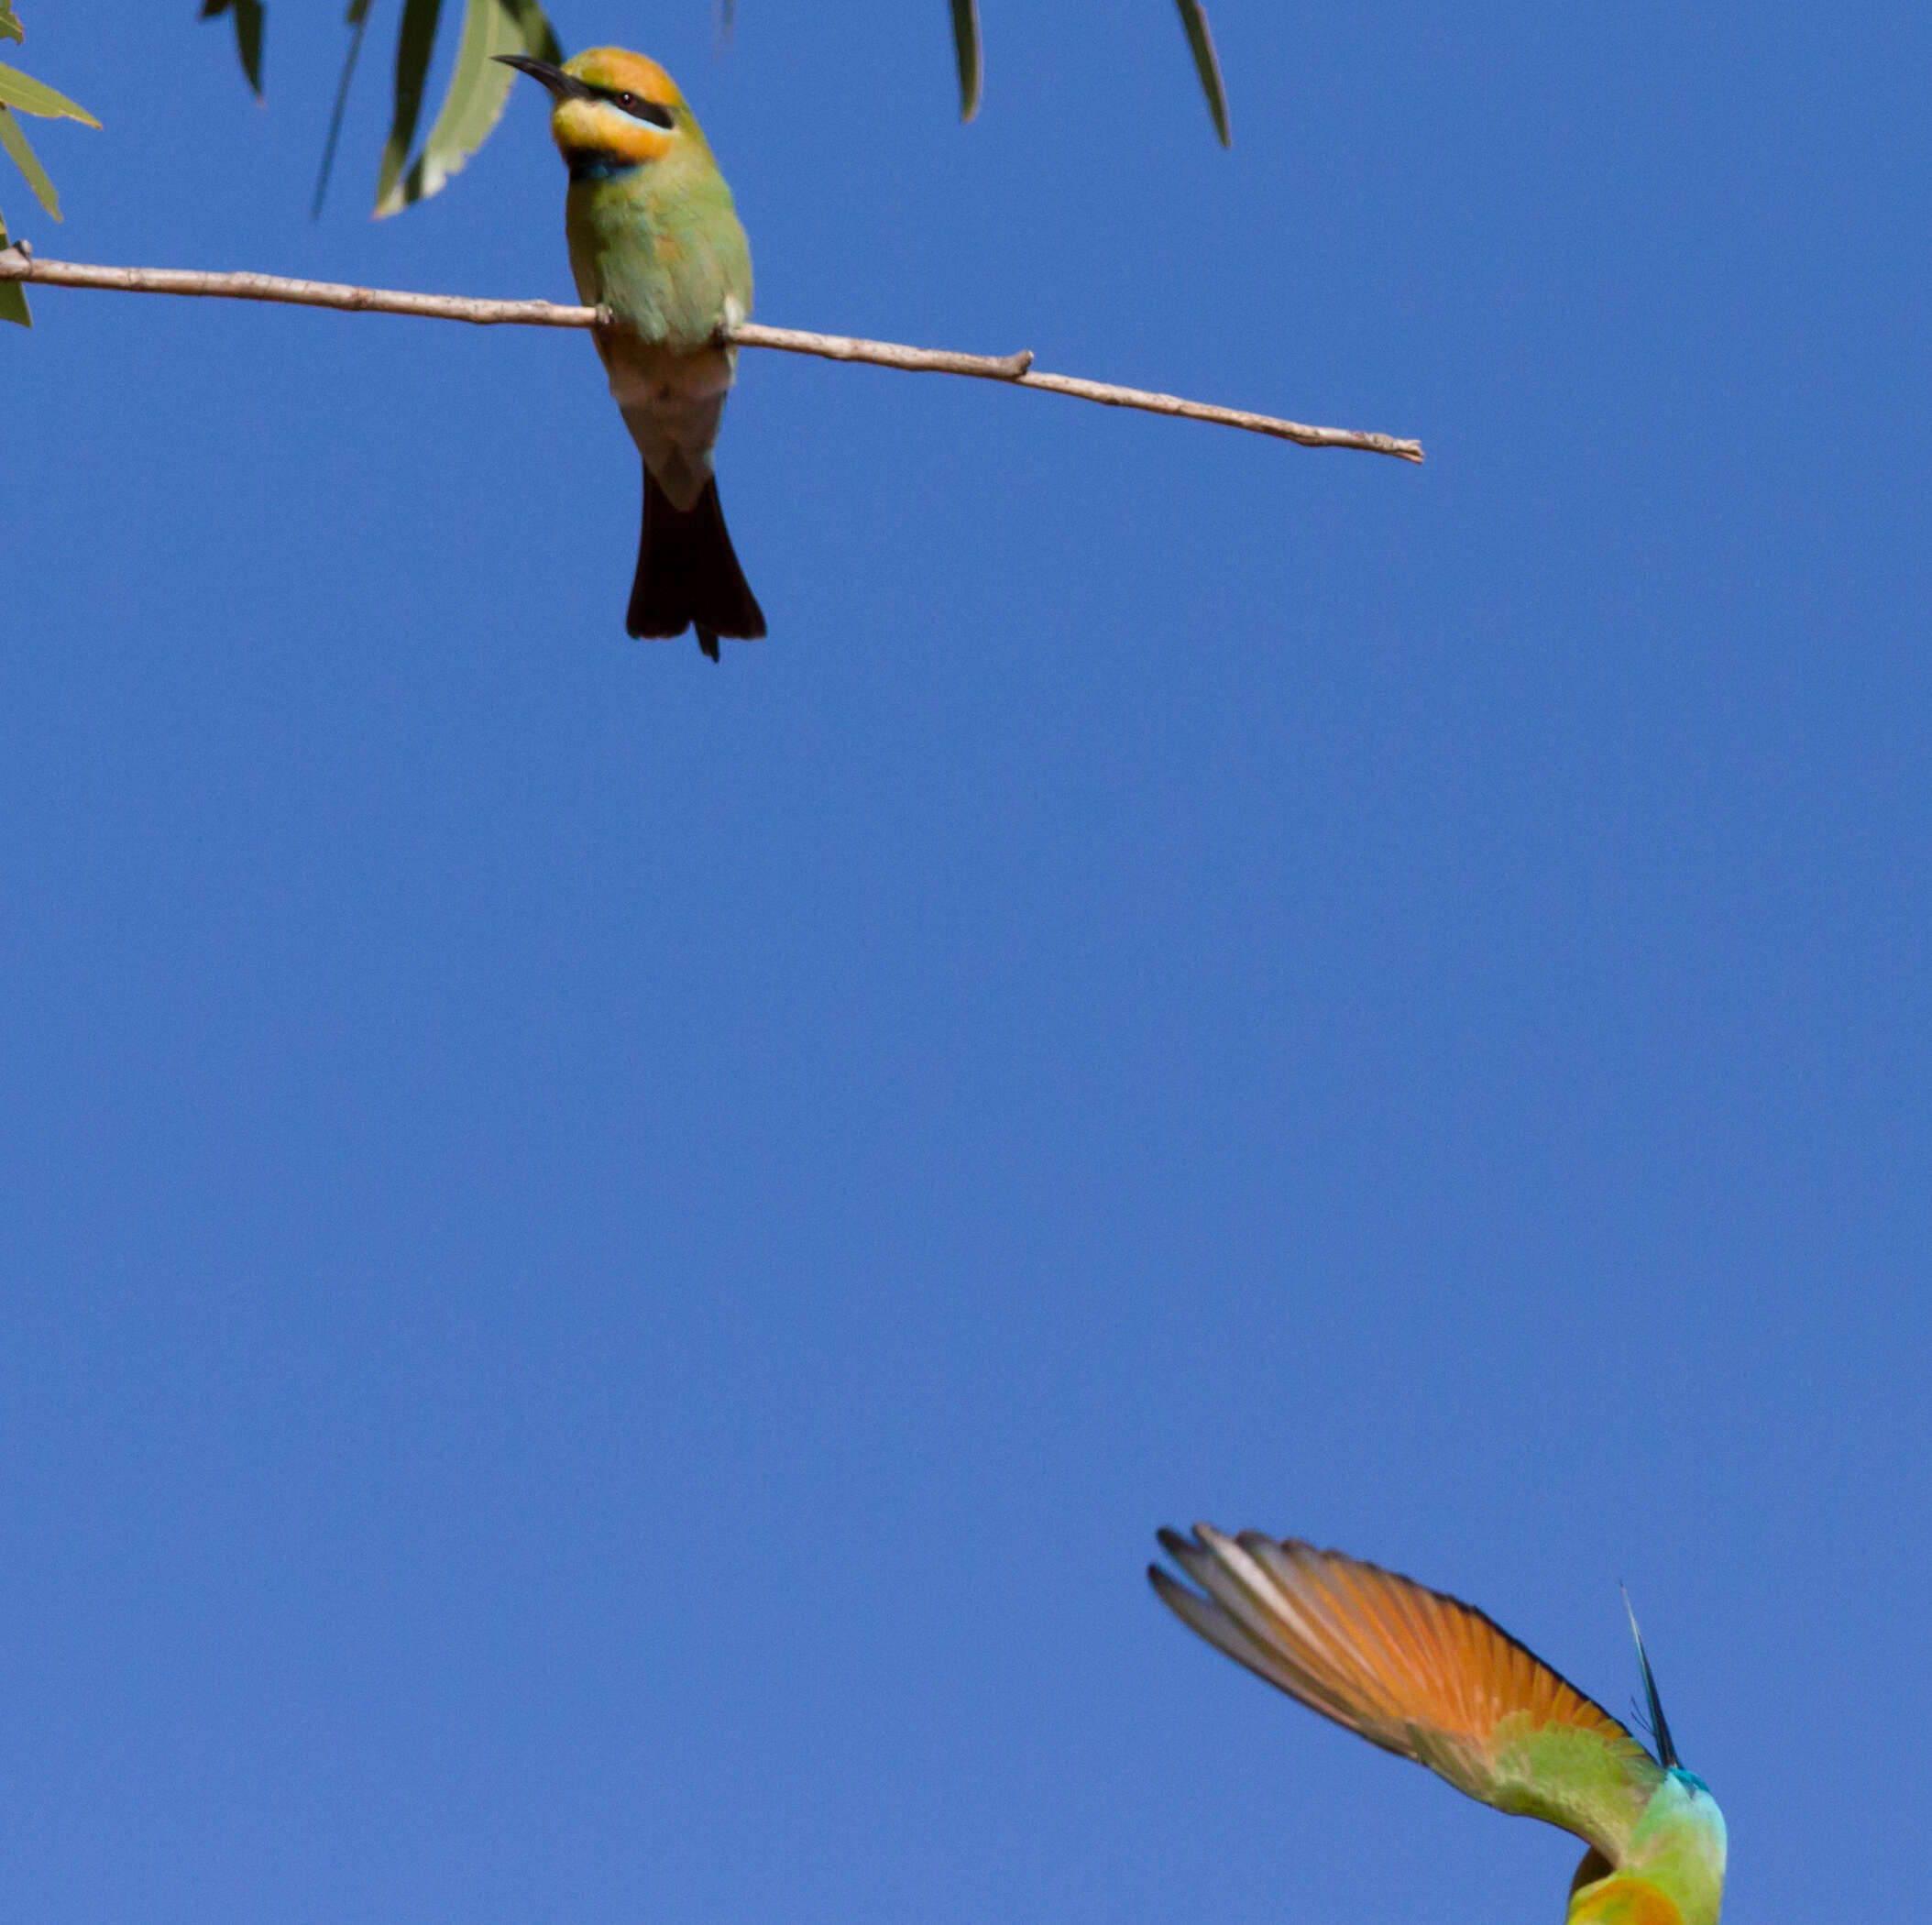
<point>13,138</point>
<point>966,46</point>
<point>1206,65</point>
<point>414,44</point>
<point>13,296</point>
<point>357,21</point>
<point>32,96</point>
<point>248,21</point>
<point>10,26</point>
<point>477,88</point>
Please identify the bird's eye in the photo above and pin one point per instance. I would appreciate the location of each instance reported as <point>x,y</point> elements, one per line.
<point>640,109</point>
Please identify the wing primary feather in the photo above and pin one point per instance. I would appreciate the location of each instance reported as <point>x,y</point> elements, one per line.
<point>1205,1617</point>
<point>1294,1611</point>
<point>1306,1610</point>
<point>1244,1635</point>
<point>1418,1673</point>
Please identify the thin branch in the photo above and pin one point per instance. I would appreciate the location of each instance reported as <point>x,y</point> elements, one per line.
<point>299,293</point>
<point>17,263</point>
<point>884,354</point>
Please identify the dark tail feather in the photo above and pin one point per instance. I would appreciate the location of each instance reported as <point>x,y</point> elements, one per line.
<point>1659,1730</point>
<point>689,576</point>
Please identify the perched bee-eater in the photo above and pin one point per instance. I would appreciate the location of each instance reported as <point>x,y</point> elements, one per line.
<point>655,238</point>
<point>1432,1678</point>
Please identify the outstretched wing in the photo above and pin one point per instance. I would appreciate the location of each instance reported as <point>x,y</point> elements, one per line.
<point>1418,1673</point>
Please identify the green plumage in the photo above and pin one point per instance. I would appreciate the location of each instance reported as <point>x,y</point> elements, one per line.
<point>655,240</point>
<point>1429,1677</point>
<point>660,245</point>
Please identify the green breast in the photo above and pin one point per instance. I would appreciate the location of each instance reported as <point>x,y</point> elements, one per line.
<point>662,250</point>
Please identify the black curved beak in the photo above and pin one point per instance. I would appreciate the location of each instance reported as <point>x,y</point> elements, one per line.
<point>565,86</point>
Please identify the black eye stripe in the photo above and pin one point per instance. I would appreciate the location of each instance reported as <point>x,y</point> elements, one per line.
<point>637,108</point>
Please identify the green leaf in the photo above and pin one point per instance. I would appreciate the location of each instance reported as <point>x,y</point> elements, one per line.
<point>10,27</point>
<point>966,46</point>
<point>356,20</point>
<point>13,296</point>
<point>13,138</point>
<point>1203,43</point>
<point>478,89</point>
<point>247,35</point>
<point>414,45</point>
<point>32,96</point>
<point>248,41</point>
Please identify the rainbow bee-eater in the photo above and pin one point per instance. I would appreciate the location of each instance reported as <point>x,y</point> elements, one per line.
<point>1432,1678</point>
<point>655,238</point>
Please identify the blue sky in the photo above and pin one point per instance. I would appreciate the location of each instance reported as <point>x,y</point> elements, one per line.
<point>610,1263</point>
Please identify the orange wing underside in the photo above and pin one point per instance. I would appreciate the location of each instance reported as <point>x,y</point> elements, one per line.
<point>1415,1671</point>
<point>1383,1654</point>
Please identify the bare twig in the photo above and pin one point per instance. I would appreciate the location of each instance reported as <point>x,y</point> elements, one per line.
<point>299,293</point>
<point>17,263</point>
<point>885,353</point>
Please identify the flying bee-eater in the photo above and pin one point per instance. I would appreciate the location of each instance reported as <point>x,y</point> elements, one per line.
<point>1432,1678</point>
<point>655,239</point>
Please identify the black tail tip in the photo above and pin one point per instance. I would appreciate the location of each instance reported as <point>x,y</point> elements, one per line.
<point>688,574</point>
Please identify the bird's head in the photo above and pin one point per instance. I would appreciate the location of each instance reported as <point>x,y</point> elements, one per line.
<point>612,105</point>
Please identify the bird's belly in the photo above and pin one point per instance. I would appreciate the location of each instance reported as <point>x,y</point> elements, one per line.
<point>672,402</point>
<point>1620,1900</point>
<point>645,375</point>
